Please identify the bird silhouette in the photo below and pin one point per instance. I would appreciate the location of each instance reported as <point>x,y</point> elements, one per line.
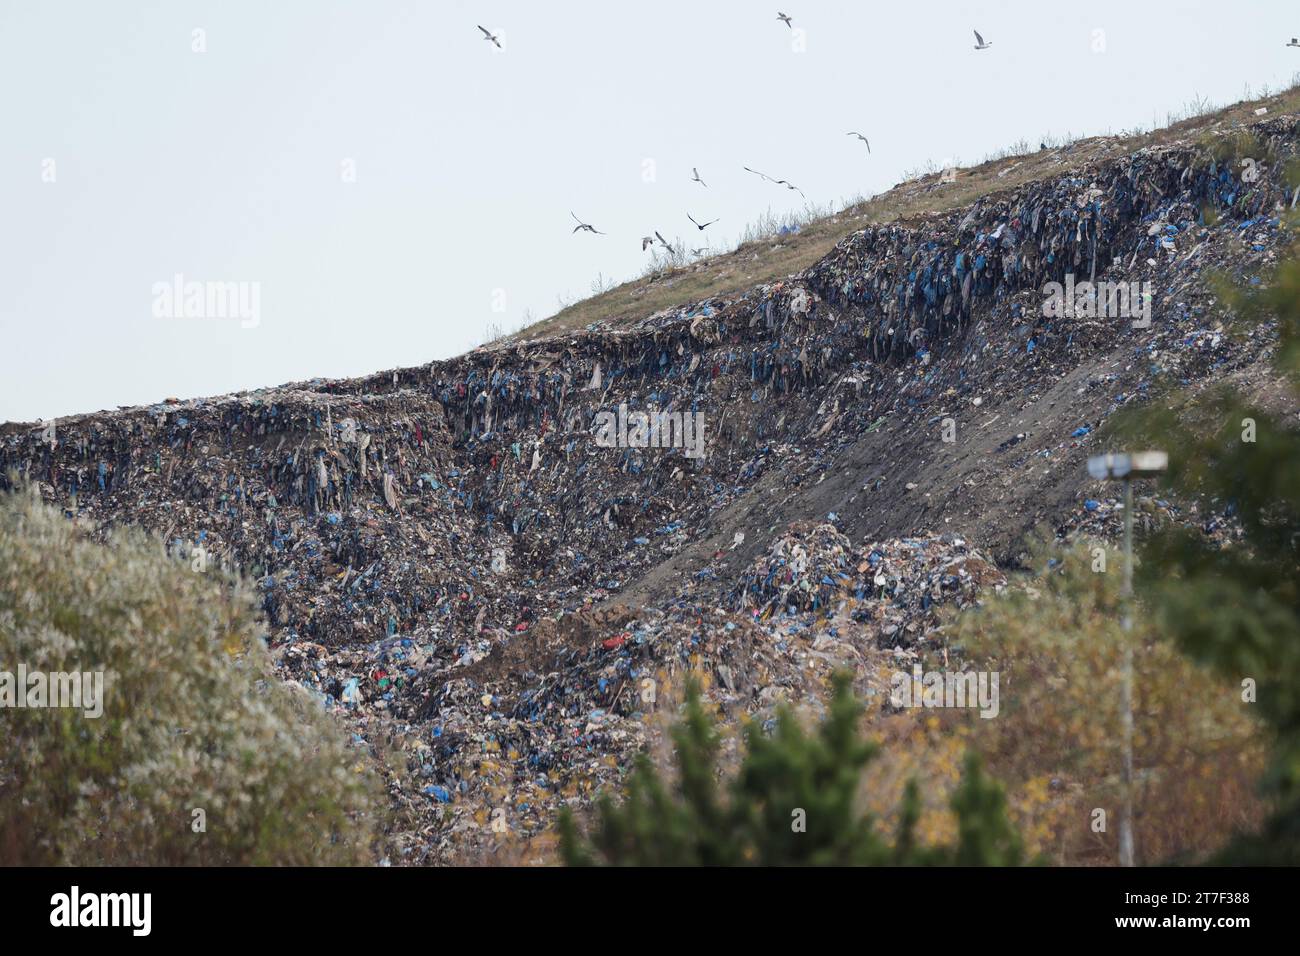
<point>979,41</point>
<point>487,35</point>
<point>1295,41</point>
<point>583,225</point>
<point>647,242</point>
<point>695,177</point>
<point>861,137</point>
<point>780,182</point>
<point>784,19</point>
<point>697,225</point>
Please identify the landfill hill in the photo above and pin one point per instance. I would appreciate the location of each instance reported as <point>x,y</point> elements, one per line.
<point>502,608</point>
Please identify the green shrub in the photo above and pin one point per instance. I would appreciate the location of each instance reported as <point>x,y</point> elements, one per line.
<point>193,716</point>
<point>794,802</point>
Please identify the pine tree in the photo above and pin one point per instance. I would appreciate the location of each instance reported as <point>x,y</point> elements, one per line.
<point>794,801</point>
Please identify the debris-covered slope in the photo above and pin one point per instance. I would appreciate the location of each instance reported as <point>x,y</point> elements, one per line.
<point>444,552</point>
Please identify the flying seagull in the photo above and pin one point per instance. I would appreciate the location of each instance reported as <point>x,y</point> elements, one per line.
<point>861,137</point>
<point>784,19</point>
<point>665,243</point>
<point>583,225</point>
<point>697,225</point>
<point>695,178</point>
<point>979,41</point>
<point>647,242</point>
<point>487,35</point>
<point>780,182</point>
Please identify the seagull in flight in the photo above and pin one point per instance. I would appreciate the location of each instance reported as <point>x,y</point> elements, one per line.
<point>861,137</point>
<point>583,225</point>
<point>697,225</point>
<point>647,242</point>
<point>487,35</point>
<point>695,178</point>
<point>979,41</point>
<point>780,182</point>
<point>665,243</point>
<point>784,19</point>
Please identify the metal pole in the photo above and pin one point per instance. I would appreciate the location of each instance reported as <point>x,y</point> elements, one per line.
<point>1126,686</point>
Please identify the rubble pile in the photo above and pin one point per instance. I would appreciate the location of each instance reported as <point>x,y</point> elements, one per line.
<point>1121,221</point>
<point>804,571</point>
<point>894,585</point>
<point>442,551</point>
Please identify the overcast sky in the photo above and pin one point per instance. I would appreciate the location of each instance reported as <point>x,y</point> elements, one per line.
<point>389,184</point>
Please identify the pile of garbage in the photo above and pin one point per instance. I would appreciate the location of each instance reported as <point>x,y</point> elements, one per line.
<point>804,570</point>
<point>895,586</point>
<point>1107,221</point>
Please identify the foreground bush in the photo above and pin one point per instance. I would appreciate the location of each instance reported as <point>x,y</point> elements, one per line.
<point>1057,643</point>
<point>201,755</point>
<point>794,801</point>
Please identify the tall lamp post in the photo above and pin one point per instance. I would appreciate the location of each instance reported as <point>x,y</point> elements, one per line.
<point>1125,467</point>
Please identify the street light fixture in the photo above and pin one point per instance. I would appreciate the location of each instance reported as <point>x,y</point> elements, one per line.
<point>1126,467</point>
